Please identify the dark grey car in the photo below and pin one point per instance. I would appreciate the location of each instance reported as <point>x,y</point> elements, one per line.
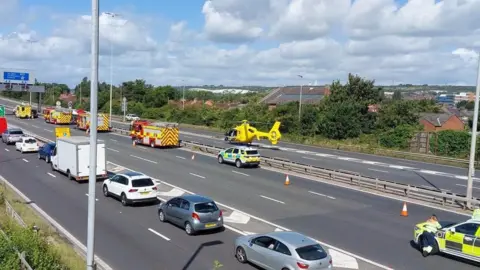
<point>192,212</point>
<point>12,135</point>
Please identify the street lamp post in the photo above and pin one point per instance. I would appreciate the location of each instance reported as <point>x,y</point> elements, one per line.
<point>183,99</point>
<point>300,102</point>
<point>471,164</point>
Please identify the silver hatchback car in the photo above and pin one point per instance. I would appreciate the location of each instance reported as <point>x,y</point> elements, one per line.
<point>192,212</point>
<point>12,136</point>
<point>282,250</point>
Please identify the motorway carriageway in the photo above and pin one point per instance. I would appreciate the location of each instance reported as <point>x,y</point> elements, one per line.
<point>421,174</point>
<point>362,223</point>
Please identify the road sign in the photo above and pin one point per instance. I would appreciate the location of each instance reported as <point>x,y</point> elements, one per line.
<point>70,104</point>
<point>16,76</point>
<point>124,104</point>
<point>62,132</point>
<point>2,111</point>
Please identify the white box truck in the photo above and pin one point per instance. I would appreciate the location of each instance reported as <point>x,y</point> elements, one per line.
<point>72,157</point>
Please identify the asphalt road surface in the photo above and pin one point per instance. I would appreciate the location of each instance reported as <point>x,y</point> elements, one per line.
<point>361,223</point>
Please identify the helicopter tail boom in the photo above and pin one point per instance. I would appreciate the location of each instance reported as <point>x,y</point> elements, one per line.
<point>273,135</point>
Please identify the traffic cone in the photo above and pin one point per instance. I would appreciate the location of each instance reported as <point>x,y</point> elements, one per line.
<point>133,143</point>
<point>193,156</point>
<point>404,212</point>
<point>287,181</point>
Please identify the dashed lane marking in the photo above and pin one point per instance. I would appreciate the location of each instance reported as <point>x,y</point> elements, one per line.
<point>466,186</point>
<point>113,140</point>
<point>148,160</point>
<point>7,150</point>
<point>25,160</point>
<point>180,157</point>
<point>113,150</point>
<point>196,175</point>
<point>309,158</point>
<point>244,174</point>
<point>271,199</point>
<point>159,234</point>
<point>52,175</point>
<point>47,130</point>
<point>321,194</point>
<point>35,126</point>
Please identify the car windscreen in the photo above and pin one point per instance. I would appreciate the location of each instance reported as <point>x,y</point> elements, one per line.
<point>311,253</point>
<point>30,141</point>
<point>144,182</point>
<point>16,132</point>
<point>252,152</point>
<point>206,207</point>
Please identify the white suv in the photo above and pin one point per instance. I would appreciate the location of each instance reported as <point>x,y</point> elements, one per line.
<point>131,117</point>
<point>131,187</point>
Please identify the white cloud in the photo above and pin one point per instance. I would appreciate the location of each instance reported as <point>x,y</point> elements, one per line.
<point>261,42</point>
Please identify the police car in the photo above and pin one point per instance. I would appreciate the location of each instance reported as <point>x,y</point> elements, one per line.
<point>241,156</point>
<point>456,239</point>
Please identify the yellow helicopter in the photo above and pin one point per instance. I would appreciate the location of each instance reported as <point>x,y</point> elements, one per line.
<point>245,133</point>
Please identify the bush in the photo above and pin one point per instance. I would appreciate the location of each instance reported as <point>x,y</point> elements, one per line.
<point>397,138</point>
<point>37,251</point>
<point>451,143</point>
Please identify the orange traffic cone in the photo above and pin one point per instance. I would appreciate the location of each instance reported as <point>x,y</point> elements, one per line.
<point>193,156</point>
<point>287,181</point>
<point>404,212</point>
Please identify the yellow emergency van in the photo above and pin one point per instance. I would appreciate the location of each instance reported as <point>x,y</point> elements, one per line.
<point>23,111</point>
<point>456,239</point>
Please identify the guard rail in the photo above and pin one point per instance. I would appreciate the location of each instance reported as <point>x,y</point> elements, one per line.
<point>382,152</point>
<point>439,198</point>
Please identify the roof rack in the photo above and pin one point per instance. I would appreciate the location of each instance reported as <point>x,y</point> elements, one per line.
<point>164,124</point>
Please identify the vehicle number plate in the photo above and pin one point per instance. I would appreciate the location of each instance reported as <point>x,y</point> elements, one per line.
<point>144,193</point>
<point>210,225</point>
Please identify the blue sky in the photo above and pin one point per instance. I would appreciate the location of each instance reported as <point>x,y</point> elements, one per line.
<point>250,41</point>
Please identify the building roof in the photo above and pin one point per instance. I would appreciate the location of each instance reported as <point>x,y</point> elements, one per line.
<point>436,119</point>
<point>310,95</point>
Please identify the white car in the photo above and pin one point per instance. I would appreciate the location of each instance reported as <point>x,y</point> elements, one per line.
<point>130,188</point>
<point>27,144</point>
<point>131,117</point>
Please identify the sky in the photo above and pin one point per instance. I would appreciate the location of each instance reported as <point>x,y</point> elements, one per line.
<point>245,42</point>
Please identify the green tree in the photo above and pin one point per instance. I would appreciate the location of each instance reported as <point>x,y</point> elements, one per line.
<point>397,95</point>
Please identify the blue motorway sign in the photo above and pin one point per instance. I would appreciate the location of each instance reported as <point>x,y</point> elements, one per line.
<point>16,76</point>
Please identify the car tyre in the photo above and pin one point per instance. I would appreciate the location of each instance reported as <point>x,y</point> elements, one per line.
<point>238,163</point>
<point>220,159</point>
<point>123,199</point>
<point>241,255</point>
<point>161,216</point>
<point>69,175</point>
<point>189,229</point>
<point>47,159</point>
<point>105,191</point>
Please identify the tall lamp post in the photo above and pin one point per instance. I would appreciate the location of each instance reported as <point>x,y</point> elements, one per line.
<point>183,91</point>
<point>471,164</point>
<point>300,103</point>
<point>93,137</point>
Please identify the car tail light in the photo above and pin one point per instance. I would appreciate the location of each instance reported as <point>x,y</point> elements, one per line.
<point>195,216</point>
<point>302,265</point>
<point>132,190</point>
<point>154,188</point>
<point>221,213</point>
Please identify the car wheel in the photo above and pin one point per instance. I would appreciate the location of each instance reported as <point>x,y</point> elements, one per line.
<point>220,159</point>
<point>47,159</point>
<point>123,199</point>
<point>21,150</point>
<point>241,255</point>
<point>238,163</point>
<point>161,216</point>
<point>105,191</point>
<point>69,175</point>
<point>189,229</point>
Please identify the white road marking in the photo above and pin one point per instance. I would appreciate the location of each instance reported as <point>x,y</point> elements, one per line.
<point>369,162</point>
<point>345,158</point>
<point>47,130</point>
<point>154,162</point>
<point>7,150</point>
<point>429,172</point>
<point>199,176</point>
<point>466,186</point>
<point>25,160</point>
<point>342,260</point>
<point>309,158</point>
<point>180,157</point>
<point>113,140</point>
<point>240,173</point>
<point>271,199</point>
<point>175,192</point>
<point>236,217</point>
<point>316,193</point>
<point>375,170</point>
<point>86,194</point>
<point>113,150</point>
<point>330,197</point>
<point>278,230</point>
<point>52,175</point>
<point>159,234</point>
<point>35,126</point>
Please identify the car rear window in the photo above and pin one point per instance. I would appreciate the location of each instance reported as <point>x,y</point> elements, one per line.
<point>311,253</point>
<point>144,182</point>
<point>206,207</point>
<point>30,141</point>
<point>16,132</point>
<point>252,152</point>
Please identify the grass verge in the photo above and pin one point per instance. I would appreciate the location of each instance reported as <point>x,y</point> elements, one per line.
<point>68,256</point>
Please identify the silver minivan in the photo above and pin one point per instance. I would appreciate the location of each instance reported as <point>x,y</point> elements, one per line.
<point>192,212</point>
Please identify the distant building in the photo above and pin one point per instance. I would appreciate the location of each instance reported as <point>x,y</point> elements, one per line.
<point>448,99</point>
<point>433,122</point>
<point>470,96</point>
<point>282,95</point>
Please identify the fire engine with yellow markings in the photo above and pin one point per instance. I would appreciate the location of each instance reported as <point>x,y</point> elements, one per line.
<point>156,134</point>
<point>103,122</point>
<point>57,116</point>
